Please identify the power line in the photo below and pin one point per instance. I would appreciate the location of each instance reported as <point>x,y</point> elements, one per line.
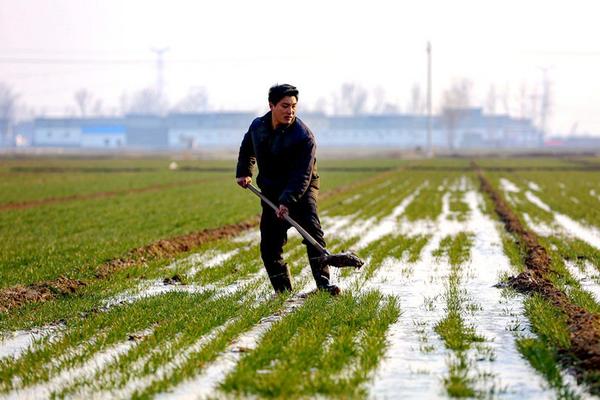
<point>15,60</point>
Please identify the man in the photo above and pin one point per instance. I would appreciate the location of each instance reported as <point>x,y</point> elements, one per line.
<point>284,148</point>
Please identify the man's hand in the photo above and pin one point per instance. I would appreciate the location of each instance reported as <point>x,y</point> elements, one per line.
<point>244,181</point>
<point>282,211</point>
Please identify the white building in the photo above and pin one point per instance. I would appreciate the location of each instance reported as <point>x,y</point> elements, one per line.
<point>103,133</point>
<point>57,132</point>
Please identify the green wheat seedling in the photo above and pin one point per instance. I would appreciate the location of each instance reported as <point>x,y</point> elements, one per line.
<point>301,368</point>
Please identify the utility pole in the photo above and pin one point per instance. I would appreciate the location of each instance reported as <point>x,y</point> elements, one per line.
<point>429,139</point>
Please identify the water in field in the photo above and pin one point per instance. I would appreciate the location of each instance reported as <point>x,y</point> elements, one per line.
<point>416,361</point>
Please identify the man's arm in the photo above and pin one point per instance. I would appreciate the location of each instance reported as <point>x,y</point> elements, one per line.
<point>246,161</point>
<point>301,174</point>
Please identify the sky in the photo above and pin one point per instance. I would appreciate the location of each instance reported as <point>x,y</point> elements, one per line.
<point>237,49</point>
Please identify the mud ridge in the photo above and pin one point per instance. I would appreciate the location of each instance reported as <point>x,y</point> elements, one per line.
<point>584,327</point>
<point>166,248</point>
<point>19,295</point>
<point>97,195</point>
<point>582,168</point>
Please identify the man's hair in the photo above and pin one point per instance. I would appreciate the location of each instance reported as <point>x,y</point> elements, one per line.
<point>278,92</point>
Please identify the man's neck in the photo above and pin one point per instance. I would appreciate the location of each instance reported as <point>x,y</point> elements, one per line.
<point>275,125</point>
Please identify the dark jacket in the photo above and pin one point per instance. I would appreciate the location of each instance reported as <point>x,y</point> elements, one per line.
<point>287,166</point>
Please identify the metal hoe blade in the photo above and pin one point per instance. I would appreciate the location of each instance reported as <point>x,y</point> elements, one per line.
<point>346,259</point>
<point>340,260</point>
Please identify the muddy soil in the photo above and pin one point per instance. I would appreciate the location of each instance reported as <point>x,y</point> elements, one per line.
<point>583,355</point>
<point>582,168</point>
<point>19,295</point>
<point>97,195</point>
<point>166,248</point>
<point>16,296</point>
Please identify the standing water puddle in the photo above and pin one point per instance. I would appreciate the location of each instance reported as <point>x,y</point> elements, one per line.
<point>588,234</point>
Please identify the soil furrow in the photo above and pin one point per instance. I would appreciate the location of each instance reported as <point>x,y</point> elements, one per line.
<point>584,327</point>
<point>97,195</point>
<point>19,295</point>
<point>583,168</point>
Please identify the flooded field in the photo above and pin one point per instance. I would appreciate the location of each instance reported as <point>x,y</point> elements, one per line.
<point>482,280</point>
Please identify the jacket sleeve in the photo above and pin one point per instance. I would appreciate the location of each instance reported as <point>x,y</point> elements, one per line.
<point>246,157</point>
<point>301,173</point>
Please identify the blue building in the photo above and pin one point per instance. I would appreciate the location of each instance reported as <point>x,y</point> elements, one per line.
<point>453,129</point>
<point>103,133</point>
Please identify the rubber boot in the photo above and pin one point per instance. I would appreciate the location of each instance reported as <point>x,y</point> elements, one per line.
<point>280,277</point>
<point>321,275</point>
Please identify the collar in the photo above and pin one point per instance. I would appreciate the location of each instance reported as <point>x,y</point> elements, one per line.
<point>280,128</point>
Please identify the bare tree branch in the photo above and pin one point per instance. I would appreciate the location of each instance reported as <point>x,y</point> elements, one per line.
<point>195,101</point>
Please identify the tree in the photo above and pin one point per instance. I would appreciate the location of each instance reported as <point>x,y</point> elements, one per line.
<point>195,101</point>
<point>350,100</point>
<point>98,108</point>
<point>83,99</point>
<point>416,104</point>
<point>320,105</point>
<point>8,108</point>
<point>454,101</point>
<point>146,101</point>
<point>492,100</point>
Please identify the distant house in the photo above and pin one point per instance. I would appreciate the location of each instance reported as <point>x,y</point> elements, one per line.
<point>3,132</point>
<point>205,130</point>
<point>147,131</point>
<point>454,129</point>
<point>469,127</point>
<point>57,132</point>
<point>23,133</point>
<point>103,133</point>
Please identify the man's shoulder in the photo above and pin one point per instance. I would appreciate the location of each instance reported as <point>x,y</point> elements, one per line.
<point>258,121</point>
<point>303,129</point>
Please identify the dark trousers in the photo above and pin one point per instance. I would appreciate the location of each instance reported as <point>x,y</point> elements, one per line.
<point>273,233</point>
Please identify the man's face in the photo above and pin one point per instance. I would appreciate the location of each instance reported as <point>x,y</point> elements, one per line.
<point>284,111</point>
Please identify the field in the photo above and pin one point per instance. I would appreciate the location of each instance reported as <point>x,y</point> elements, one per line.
<point>122,278</point>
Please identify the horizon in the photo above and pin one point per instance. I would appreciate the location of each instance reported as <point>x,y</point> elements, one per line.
<point>48,55</point>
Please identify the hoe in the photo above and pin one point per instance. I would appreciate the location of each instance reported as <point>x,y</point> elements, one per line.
<point>345,259</point>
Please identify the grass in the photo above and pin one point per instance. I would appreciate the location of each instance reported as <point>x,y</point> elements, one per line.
<point>44,242</point>
<point>291,361</point>
<point>399,247</point>
<point>543,352</point>
<point>428,202</point>
<point>326,347</point>
<point>546,321</point>
<point>456,334</point>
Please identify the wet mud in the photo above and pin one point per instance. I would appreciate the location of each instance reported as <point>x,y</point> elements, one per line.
<point>166,248</point>
<point>19,295</point>
<point>91,196</point>
<point>583,355</point>
<point>541,168</point>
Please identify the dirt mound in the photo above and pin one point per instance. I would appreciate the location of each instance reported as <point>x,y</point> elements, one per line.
<point>170,247</point>
<point>584,326</point>
<point>18,295</point>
